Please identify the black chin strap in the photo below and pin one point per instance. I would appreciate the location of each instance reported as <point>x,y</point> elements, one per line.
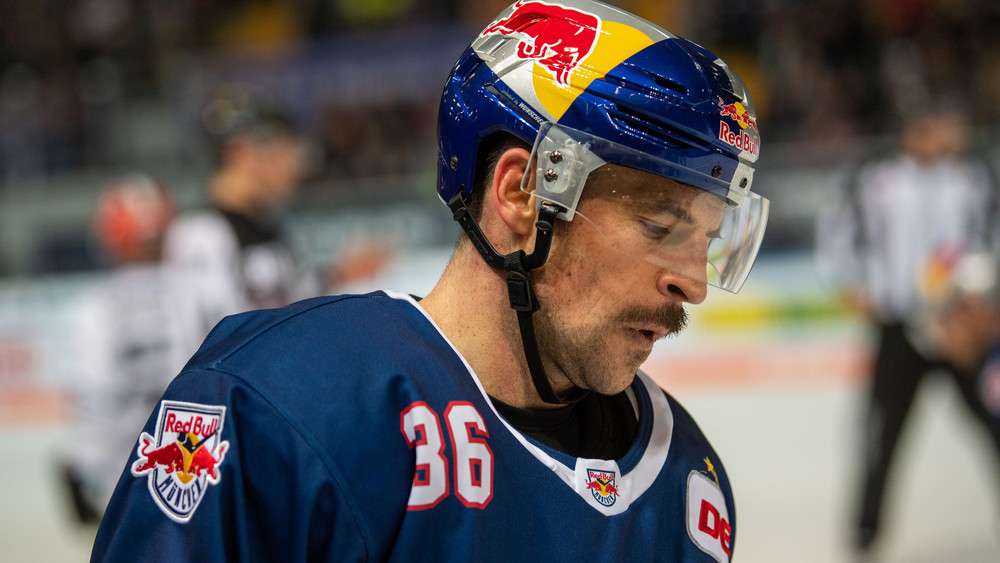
<point>518,266</point>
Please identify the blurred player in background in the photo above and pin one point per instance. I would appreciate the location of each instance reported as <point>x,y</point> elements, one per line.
<point>130,332</point>
<point>234,247</point>
<point>600,168</point>
<point>895,214</point>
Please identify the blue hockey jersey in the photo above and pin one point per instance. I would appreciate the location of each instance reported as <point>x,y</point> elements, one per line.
<point>349,429</point>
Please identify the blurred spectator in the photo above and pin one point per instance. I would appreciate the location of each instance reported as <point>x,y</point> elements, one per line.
<point>385,140</point>
<point>896,213</point>
<point>130,333</point>
<point>825,69</point>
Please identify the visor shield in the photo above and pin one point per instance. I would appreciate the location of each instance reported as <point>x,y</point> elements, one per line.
<point>643,209</point>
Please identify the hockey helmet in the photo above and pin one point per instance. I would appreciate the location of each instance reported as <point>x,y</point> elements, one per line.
<point>586,85</point>
<point>132,213</point>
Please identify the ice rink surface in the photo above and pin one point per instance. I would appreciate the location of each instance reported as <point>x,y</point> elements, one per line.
<point>776,382</point>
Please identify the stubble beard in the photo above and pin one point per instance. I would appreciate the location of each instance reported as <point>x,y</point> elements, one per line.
<point>588,359</point>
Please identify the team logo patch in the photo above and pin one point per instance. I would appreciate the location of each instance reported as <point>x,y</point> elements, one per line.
<point>601,484</point>
<point>708,522</point>
<point>183,458</point>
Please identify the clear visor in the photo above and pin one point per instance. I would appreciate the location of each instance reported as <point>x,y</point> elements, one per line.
<point>649,215</point>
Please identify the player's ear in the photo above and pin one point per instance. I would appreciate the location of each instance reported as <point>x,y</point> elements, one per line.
<point>515,207</point>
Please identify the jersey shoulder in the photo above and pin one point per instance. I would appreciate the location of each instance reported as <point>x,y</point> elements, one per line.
<point>202,230</point>
<point>709,502</point>
<point>689,441</point>
<point>317,321</point>
<point>684,423</point>
<point>335,345</point>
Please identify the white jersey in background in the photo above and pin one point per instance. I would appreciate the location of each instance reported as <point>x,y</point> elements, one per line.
<point>130,333</point>
<point>895,215</point>
<point>236,264</point>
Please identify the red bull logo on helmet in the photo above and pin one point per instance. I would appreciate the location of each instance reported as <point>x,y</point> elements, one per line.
<point>738,138</point>
<point>556,37</point>
<point>183,458</point>
<point>601,484</point>
<point>550,53</point>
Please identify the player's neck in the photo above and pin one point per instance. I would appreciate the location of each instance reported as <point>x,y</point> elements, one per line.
<point>234,192</point>
<point>470,305</point>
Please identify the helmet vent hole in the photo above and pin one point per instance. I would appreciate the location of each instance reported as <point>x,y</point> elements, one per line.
<point>665,82</point>
<point>716,171</point>
<point>659,132</point>
<point>733,96</point>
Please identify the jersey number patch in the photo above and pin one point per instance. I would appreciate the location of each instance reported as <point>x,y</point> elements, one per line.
<point>472,466</point>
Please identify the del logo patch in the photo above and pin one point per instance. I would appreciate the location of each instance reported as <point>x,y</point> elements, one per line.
<point>183,458</point>
<point>601,484</point>
<point>708,522</point>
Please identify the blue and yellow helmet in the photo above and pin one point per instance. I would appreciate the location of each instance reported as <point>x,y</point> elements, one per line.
<point>598,85</point>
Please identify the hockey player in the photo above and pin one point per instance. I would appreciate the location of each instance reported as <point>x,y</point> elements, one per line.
<point>129,334</point>
<point>600,168</point>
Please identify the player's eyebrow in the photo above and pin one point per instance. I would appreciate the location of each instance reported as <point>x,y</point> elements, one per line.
<point>677,210</point>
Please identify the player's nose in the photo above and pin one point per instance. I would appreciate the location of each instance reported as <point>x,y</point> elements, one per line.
<point>679,286</point>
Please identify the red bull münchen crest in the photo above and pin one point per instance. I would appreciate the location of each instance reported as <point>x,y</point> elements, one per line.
<point>183,459</point>
<point>601,484</point>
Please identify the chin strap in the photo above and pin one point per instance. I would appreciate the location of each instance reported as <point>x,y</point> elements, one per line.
<point>518,266</point>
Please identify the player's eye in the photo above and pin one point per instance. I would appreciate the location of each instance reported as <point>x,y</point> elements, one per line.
<point>653,230</point>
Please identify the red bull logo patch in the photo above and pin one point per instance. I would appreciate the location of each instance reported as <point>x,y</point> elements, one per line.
<point>739,138</point>
<point>601,484</point>
<point>556,37</point>
<point>183,458</point>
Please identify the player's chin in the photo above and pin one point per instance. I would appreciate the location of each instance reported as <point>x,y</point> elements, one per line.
<point>619,377</point>
<point>614,386</point>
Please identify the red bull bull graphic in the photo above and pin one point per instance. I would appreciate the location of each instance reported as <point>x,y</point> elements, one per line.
<point>738,113</point>
<point>738,138</point>
<point>556,37</point>
<point>601,484</point>
<point>184,456</point>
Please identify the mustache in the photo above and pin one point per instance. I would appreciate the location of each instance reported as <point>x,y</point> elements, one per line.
<point>670,316</point>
